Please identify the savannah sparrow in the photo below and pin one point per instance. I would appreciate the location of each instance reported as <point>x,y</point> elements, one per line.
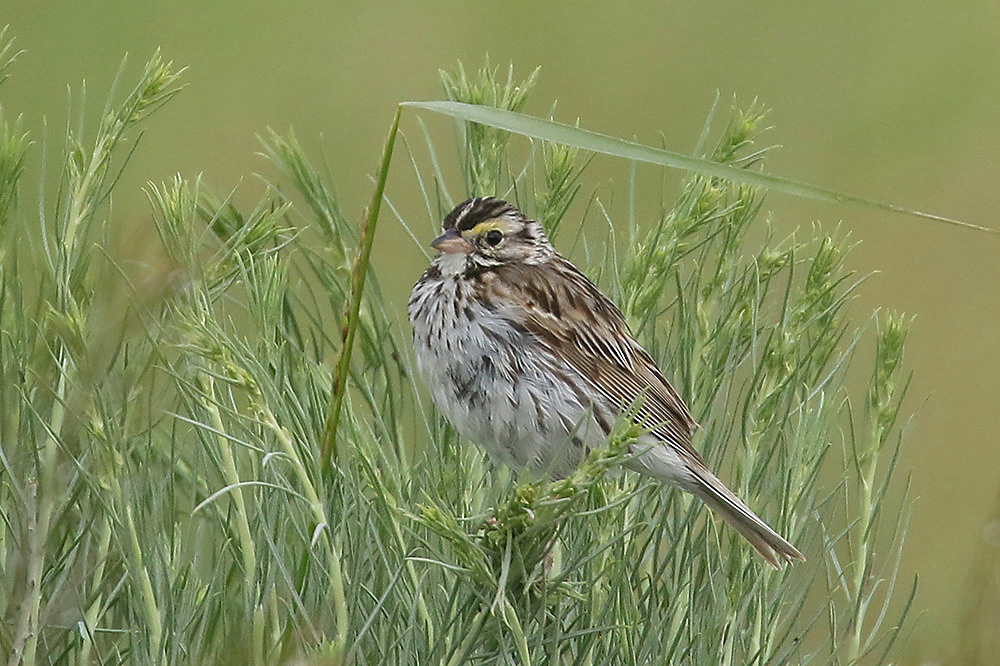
<point>525,356</point>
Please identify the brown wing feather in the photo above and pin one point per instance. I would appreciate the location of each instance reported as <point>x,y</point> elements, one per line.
<point>567,313</point>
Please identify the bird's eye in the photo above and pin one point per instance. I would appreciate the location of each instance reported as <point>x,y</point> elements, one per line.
<point>494,237</point>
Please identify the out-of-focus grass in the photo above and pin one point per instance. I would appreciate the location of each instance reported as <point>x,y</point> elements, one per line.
<point>980,639</point>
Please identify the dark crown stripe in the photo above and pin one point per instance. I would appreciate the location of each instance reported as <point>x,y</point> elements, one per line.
<point>471,212</point>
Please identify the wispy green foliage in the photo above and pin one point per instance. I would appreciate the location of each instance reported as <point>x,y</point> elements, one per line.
<point>163,497</point>
<point>57,406</point>
<point>7,53</point>
<point>561,172</point>
<point>13,144</point>
<point>484,157</point>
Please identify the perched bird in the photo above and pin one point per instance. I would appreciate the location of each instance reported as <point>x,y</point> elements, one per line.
<point>527,357</point>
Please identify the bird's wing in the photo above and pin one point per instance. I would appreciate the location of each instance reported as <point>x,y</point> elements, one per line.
<point>577,323</point>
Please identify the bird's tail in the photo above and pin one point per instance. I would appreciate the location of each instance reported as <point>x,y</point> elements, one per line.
<point>734,511</point>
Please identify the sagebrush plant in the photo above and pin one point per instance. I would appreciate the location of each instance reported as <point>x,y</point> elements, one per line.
<point>164,496</point>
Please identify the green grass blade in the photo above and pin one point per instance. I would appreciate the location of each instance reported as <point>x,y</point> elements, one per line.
<point>549,130</point>
<point>357,290</point>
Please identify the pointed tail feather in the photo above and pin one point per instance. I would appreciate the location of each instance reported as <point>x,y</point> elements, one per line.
<point>734,511</point>
<point>681,466</point>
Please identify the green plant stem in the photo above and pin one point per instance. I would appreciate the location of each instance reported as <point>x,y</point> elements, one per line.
<point>31,599</point>
<point>92,614</point>
<point>321,529</point>
<point>41,506</point>
<point>232,477</point>
<point>26,638</point>
<point>864,524</point>
<point>329,449</point>
<point>150,609</point>
<point>248,551</point>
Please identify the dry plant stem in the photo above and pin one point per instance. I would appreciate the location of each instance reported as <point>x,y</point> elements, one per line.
<point>330,452</point>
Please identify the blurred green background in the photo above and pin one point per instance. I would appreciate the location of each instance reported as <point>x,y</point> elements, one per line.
<point>895,101</point>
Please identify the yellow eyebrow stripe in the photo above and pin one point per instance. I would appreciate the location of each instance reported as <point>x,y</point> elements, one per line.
<point>482,228</point>
<point>488,225</point>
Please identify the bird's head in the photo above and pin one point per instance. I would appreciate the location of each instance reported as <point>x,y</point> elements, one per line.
<point>489,232</point>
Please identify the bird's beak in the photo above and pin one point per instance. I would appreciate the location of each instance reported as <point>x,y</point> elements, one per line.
<point>451,242</point>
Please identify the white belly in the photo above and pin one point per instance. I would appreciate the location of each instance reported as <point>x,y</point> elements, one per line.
<point>498,387</point>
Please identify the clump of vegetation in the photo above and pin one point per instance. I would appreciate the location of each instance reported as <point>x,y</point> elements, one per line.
<point>165,495</point>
